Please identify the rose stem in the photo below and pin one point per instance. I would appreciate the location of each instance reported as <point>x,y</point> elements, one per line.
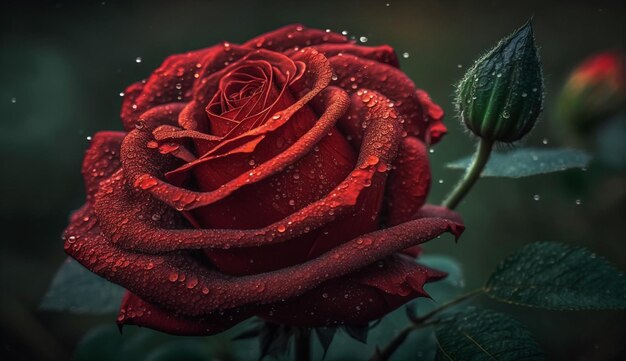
<point>471,176</point>
<point>420,322</point>
<point>303,345</point>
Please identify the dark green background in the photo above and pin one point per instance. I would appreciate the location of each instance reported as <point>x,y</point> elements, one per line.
<point>65,63</point>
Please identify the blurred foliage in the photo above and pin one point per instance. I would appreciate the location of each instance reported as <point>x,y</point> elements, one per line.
<point>526,162</point>
<point>64,64</point>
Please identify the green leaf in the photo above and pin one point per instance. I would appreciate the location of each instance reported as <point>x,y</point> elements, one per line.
<point>525,162</point>
<point>78,290</point>
<point>557,276</point>
<point>485,335</point>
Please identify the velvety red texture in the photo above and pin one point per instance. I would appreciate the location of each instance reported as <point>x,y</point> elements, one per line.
<point>284,178</point>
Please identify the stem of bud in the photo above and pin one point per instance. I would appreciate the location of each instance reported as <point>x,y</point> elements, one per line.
<point>471,175</point>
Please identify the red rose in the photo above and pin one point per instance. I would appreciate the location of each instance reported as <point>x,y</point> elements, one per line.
<point>594,91</point>
<point>280,178</point>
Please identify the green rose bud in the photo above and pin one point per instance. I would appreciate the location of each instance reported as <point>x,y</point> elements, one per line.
<point>501,95</point>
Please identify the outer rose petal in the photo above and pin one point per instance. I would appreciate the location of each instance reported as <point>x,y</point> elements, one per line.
<point>292,36</point>
<point>431,210</point>
<point>383,53</point>
<point>357,298</point>
<point>434,114</point>
<point>409,181</point>
<point>135,311</point>
<point>354,72</point>
<point>101,160</point>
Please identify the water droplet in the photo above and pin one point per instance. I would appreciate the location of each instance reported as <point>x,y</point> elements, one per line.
<point>440,181</point>
<point>363,39</point>
<point>405,55</point>
<point>192,282</point>
<point>459,66</point>
<point>277,116</point>
<point>325,295</point>
<point>138,60</point>
<point>545,141</point>
<point>88,138</point>
<point>578,202</point>
<point>524,95</point>
<point>431,151</point>
<point>13,100</point>
<point>499,75</point>
<point>145,182</point>
<point>205,290</point>
<point>536,197</point>
<point>173,277</point>
<point>121,94</point>
<point>292,202</point>
<point>251,162</point>
<point>344,32</point>
<point>281,228</point>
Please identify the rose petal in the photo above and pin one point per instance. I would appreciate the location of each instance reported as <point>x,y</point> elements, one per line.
<point>357,298</point>
<point>135,311</point>
<point>354,73</point>
<point>431,210</point>
<point>101,160</point>
<point>434,115</point>
<point>383,53</point>
<point>409,181</point>
<point>292,36</point>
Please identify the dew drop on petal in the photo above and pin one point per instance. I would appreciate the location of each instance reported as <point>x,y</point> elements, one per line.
<point>536,197</point>
<point>192,282</point>
<point>138,60</point>
<point>405,55</point>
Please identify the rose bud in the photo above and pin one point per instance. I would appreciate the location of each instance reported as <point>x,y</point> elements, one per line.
<point>501,95</point>
<point>594,91</point>
<point>282,178</point>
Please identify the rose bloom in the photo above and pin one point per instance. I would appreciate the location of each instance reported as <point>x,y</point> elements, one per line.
<point>594,91</point>
<point>284,178</point>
